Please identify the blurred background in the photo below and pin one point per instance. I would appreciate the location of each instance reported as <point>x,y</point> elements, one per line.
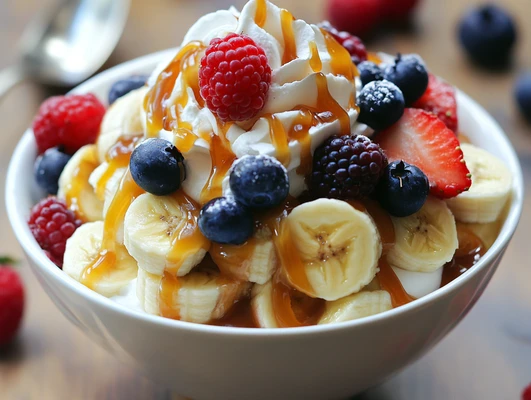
<point>488,356</point>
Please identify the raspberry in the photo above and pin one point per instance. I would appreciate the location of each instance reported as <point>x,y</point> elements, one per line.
<point>52,223</point>
<point>353,44</point>
<point>70,121</point>
<point>526,394</point>
<point>347,167</point>
<point>234,77</point>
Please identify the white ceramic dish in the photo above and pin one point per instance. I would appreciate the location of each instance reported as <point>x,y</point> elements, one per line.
<point>209,362</point>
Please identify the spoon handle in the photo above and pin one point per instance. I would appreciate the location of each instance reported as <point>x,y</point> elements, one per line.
<point>9,77</point>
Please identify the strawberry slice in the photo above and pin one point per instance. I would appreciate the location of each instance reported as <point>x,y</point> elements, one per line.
<point>439,98</point>
<point>422,139</point>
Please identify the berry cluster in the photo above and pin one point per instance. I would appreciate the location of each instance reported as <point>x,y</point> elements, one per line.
<point>257,183</point>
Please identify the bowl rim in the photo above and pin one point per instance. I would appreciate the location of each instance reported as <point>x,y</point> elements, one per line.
<point>17,218</point>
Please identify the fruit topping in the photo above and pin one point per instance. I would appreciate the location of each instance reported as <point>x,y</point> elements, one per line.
<point>422,139</point>
<point>439,98</point>
<point>488,34</point>
<point>123,86</point>
<point>224,220</point>
<point>403,189</point>
<point>71,121</point>
<point>353,44</point>
<point>347,167</point>
<point>369,72</point>
<point>52,223</point>
<point>381,104</point>
<point>234,77</point>
<point>259,181</point>
<point>356,16</point>
<point>523,94</point>
<point>11,303</point>
<point>48,168</point>
<point>157,167</point>
<point>410,75</point>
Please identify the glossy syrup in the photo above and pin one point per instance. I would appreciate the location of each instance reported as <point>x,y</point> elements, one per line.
<point>290,46</point>
<point>260,15</point>
<point>79,183</point>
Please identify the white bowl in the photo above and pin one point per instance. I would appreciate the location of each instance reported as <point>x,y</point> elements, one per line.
<point>209,362</point>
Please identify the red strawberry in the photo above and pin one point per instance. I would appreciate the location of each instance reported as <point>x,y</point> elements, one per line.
<point>526,394</point>
<point>358,17</point>
<point>11,303</point>
<point>421,139</point>
<point>439,98</point>
<point>397,10</point>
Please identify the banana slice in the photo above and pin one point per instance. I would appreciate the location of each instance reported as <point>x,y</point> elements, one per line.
<point>418,284</point>
<point>355,306</point>
<point>488,233</point>
<point>426,240</point>
<point>328,249</point>
<point>123,118</point>
<point>491,186</point>
<point>74,186</point>
<point>161,233</point>
<point>201,296</point>
<point>83,248</point>
<point>262,305</point>
<point>111,186</point>
<point>255,261</point>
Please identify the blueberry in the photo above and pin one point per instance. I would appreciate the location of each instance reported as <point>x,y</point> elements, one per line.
<point>410,75</point>
<point>381,104</point>
<point>488,34</point>
<point>403,189</point>
<point>123,86</point>
<point>224,220</point>
<point>522,93</point>
<point>157,167</point>
<point>259,181</point>
<point>48,168</point>
<point>369,72</point>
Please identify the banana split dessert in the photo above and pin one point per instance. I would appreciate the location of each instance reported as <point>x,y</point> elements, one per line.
<point>272,173</point>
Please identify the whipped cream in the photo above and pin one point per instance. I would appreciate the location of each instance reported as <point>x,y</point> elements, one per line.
<point>293,85</point>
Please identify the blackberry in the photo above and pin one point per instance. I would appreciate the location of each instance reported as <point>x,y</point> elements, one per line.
<point>347,167</point>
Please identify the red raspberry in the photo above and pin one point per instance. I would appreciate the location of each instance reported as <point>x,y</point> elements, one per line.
<point>347,167</point>
<point>353,44</point>
<point>11,303</point>
<point>234,77</point>
<point>52,223</point>
<point>71,121</point>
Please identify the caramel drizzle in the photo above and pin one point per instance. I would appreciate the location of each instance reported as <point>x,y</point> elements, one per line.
<point>260,14</point>
<point>340,61</point>
<point>222,158</point>
<point>187,239</point>
<point>79,183</point>
<point>158,113</point>
<point>315,61</point>
<point>117,157</point>
<point>105,262</point>
<point>168,289</point>
<point>290,46</point>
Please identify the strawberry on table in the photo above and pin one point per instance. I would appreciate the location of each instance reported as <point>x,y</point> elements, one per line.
<point>11,302</point>
<point>439,98</point>
<point>421,139</point>
<point>358,17</point>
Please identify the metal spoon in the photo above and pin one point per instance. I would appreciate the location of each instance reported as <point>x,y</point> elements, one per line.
<point>66,44</point>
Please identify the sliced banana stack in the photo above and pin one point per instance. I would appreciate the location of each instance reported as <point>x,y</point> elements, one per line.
<point>123,118</point>
<point>262,305</point>
<point>328,249</point>
<point>74,186</point>
<point>161,233</point>
<point>83,248</point>
<point>355,306</point>
<point>426,240</point>
<point>200,297</point>
<point>491,186</point>
<point>254,261</point>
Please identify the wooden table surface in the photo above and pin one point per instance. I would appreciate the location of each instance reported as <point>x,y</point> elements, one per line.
<point>488,356</point>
